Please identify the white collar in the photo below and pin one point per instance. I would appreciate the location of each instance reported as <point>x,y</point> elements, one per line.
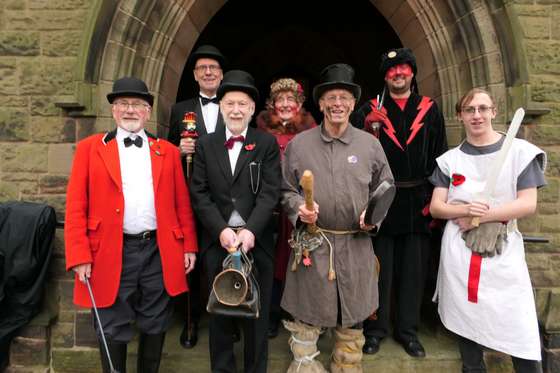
<point>229,134</point>
<point>123,134</point>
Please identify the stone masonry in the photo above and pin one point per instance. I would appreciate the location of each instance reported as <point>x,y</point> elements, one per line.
<point>44,46</point>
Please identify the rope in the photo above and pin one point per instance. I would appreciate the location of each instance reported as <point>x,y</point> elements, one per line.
<point>307,358</point>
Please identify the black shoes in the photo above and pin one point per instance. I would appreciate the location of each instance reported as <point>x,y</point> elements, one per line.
<point>371,346</point>
<point>413,348</point>
<point>273,328</point>
<point>189,336</point>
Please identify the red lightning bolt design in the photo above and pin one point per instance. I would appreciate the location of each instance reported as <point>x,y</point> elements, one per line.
<point>389,129</point>
<point>423,108</point>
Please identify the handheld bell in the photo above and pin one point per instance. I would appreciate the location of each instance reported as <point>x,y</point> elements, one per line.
<point>230,287</point>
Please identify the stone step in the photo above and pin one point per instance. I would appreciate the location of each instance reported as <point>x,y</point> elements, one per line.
<point>441,349</point>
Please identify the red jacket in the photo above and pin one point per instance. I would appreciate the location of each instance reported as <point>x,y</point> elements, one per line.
<point>94,217</point>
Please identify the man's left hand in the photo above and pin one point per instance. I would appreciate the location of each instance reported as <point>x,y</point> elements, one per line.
<point>190,259</point>
<point>247,239</point>
<point>363,225</point>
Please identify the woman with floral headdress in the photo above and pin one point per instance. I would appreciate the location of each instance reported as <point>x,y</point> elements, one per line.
<point>284,118</point>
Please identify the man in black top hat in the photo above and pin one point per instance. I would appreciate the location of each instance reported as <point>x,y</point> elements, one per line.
<point>411,130</point>
<point>235,187</point>
<point>335,283</point>
<point>207,63</point>
<point>129,228</point>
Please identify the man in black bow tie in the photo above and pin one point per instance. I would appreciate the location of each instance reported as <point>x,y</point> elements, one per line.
<point>235,187</point>
<point>207,63</point>
<point>129,229</point>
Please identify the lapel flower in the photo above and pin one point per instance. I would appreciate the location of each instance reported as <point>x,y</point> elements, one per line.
<point>250,147</point>
<point>457,179</point>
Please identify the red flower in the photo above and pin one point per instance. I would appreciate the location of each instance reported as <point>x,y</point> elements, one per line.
<point>457,179</point>
<point>250,147</point>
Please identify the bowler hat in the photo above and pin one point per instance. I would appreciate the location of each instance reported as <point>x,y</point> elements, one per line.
<point>238,80</point>
<point>338,75</point>
<point>130,87</point>
<point>208,51</point>
<point>396,57</point>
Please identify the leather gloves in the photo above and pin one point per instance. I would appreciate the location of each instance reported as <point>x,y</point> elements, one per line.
<point>487,239</point>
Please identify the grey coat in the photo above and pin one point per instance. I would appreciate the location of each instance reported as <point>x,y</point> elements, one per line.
<point>346,172</point>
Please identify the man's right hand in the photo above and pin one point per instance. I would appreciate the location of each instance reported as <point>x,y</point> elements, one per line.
<point>83,271</point>
<point>228,239</point>
<point>187,145</point>
<point>375,116</point>
<point>308,216</point>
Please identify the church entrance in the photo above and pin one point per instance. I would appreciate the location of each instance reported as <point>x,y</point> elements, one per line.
<point>297,39</point>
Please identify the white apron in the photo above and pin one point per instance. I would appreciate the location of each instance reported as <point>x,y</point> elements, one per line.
<point>501,314</point>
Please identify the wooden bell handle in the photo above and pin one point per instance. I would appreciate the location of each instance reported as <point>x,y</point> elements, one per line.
<point>306,183</point>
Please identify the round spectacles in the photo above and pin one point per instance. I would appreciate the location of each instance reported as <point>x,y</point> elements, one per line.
<point>482,109</point>
<point>343,99</point>
<point>203,68</point>
<point>136,106</point>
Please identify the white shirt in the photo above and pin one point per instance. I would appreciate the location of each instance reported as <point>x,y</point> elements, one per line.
<point>137,183</point>
<point>209,113</point>
<point>235,220</point>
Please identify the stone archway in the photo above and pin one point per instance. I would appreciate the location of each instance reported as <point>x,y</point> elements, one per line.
<point>459,44</point>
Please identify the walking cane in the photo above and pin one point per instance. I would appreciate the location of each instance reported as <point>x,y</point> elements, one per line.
<point>100,327</point>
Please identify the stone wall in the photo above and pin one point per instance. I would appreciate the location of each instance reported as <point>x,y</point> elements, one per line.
<point>540,30</point>
<point>41,46</point>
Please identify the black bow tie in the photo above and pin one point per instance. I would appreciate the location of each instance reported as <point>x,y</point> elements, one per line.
<point>229,143</point>
<point>137,141</point>
<point>206,100</point>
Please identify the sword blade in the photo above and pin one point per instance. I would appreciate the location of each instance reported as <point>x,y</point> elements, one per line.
<point>498,162</point>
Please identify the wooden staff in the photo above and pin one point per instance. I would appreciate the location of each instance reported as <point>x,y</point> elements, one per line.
<point>306,183</point>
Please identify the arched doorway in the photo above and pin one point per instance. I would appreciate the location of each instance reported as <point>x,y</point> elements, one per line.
<point>297,39</point>
<point>458,45</point>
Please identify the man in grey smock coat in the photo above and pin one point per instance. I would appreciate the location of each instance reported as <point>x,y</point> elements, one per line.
<point>347,166</point>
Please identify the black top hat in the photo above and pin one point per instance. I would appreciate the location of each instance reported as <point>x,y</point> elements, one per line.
<point>238,80</point>
<point>396,57</point>
<point>208,51</point>
<point>339,75</point>
<point>130,87</point>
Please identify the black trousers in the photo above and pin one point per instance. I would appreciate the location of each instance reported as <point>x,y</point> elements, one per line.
<point>473,359</point>
<point>255,332</point>
<point>403,260</point>
<point>141,298</point>
<point>193,297</point>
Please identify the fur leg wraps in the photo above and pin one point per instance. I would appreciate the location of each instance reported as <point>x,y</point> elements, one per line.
<point>347,352</point>
<point>303,343</point>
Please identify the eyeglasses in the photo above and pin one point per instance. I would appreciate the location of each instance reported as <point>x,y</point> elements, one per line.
<point>136,106</point>
<point>345,99</point>
<point>242,105</point>
<point>203,68</point>
<point>482,109</point>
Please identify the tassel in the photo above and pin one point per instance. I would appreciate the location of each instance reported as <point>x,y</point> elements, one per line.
<point>332,275</point>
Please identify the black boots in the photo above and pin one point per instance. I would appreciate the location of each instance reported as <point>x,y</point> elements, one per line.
<point>149,352</point>
<point>118,357</point>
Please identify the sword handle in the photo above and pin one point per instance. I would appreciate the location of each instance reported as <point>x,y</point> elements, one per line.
<point>475,221</point>
<point>306,183</point>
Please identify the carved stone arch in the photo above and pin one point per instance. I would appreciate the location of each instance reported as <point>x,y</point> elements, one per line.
<point>459,44</point>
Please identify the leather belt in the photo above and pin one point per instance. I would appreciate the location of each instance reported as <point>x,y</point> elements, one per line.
<point>410,184</point>
<point>140,236</point>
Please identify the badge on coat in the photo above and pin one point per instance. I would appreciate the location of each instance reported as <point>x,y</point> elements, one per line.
<point>352,159</point>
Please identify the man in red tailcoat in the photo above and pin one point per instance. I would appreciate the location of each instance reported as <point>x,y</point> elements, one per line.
<point>129,228</point>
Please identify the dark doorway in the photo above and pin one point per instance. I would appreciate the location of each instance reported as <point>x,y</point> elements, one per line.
<point>297,39</point>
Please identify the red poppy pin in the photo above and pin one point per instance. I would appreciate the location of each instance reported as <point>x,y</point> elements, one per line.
<point>457,179</point>
<point>250,147</point>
